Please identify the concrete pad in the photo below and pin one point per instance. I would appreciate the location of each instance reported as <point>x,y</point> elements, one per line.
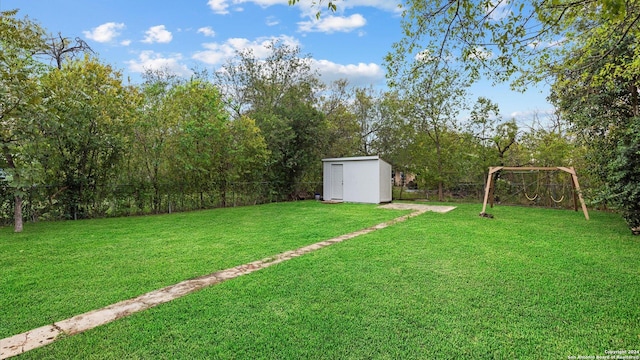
<point>418,207</point>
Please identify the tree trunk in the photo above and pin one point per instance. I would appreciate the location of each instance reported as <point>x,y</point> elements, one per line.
<point>17,210</point>
<point>634,99</point>
<point>440,171</point>
<point>17,214</point>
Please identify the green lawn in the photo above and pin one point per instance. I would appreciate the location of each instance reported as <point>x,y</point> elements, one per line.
<point>53,271</point>
<point>531,283</point>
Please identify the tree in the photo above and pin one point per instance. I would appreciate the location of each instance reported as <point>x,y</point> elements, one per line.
<point>547,145</point>
<point>294,133</point>
<point>186,141</point>
<point>20,94</point>
<point>201,138</point>
<point>250,83</point>
<point>367,108</point>
<point>89,114</point>
<point>396,134</point>
<point>600,99</point>
<point>279,93</point>
<point>433,105</point>
<point>61,49</point>
<point>331,5</point>
<point>248,153</point>
<point>496,136</point>
<point>342,126</point>
<point>625,176</point>
<point>501,39</point>
<point>152,150</point>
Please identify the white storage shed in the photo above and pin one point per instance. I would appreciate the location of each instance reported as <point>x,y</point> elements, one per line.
<point>362,179</point>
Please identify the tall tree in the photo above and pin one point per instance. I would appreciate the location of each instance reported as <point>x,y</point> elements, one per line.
<point>279,92</point>
<point>342,126</point>
<point>496,136</point>
<point>201,137</point>
<point>61,49</point>
<point>253,83</point>
<point>90,113</point>
<point>294,133</point>
<point>20,100</point>
<point>152,150</point>
<point>599,97</point>
<point>433,104</point>
<point>502,39</point>
<point>396,134</point>
<point>186,141</point>
<point>248,153</point>
<point>367,108</point>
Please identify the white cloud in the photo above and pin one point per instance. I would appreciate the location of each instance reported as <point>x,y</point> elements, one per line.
<point>359,75</point>
<point>222,6</point>
<point>150,60</point>
<point>330,24</point>
<point>272,21</point>
<point>157,34</point>
<point>536,44</point>
<point>104,33</point>
<point>386,5</point>
<point>125,42</point>
<point>425,56</point>
<point>219,6</point>
<point>480,53</point>
<point>308,8</point>
<point>263,3</point>
<point>207,31</point>
<point>217,53</point>
<point>498,9</point>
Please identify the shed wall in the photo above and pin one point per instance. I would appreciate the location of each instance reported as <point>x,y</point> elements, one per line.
<point>361,181</point>
<point>326,180</point>
<point>386,182</point>
<point>364,180</point>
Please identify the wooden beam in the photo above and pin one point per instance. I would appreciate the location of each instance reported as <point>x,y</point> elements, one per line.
<point>528,168</point>
<point>488,191</point>
<point>574,192</point>
<point>584,207</point>
<point>576,188</point>
<point>570,170</point>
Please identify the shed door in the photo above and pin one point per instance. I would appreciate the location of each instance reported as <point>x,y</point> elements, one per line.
<point>336,181</point>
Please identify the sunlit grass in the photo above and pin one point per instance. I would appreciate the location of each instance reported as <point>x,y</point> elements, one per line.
<point>53,271</point>
<point>531,283</point>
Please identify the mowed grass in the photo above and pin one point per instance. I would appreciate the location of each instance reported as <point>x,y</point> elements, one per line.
<point>531,284</point>
<point>56,270</point>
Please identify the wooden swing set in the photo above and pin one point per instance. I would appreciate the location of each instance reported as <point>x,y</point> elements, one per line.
<point>577,194</point>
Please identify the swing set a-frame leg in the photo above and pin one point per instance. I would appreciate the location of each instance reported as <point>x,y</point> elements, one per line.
<point>489,189</point>
<point>576,191</point>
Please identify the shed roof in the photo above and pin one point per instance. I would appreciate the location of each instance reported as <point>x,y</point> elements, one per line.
<point>354,158</point>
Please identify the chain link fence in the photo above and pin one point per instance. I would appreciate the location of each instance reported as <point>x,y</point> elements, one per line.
<point>42,203</point>
<point>49,202</point>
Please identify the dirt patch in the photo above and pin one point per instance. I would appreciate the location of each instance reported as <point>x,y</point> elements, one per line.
<point>418,207</point>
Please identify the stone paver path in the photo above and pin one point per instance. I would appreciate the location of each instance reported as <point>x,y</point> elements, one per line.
<point>45,335</point>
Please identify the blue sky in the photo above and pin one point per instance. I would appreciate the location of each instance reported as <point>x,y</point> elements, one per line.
<point>133,35</point>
